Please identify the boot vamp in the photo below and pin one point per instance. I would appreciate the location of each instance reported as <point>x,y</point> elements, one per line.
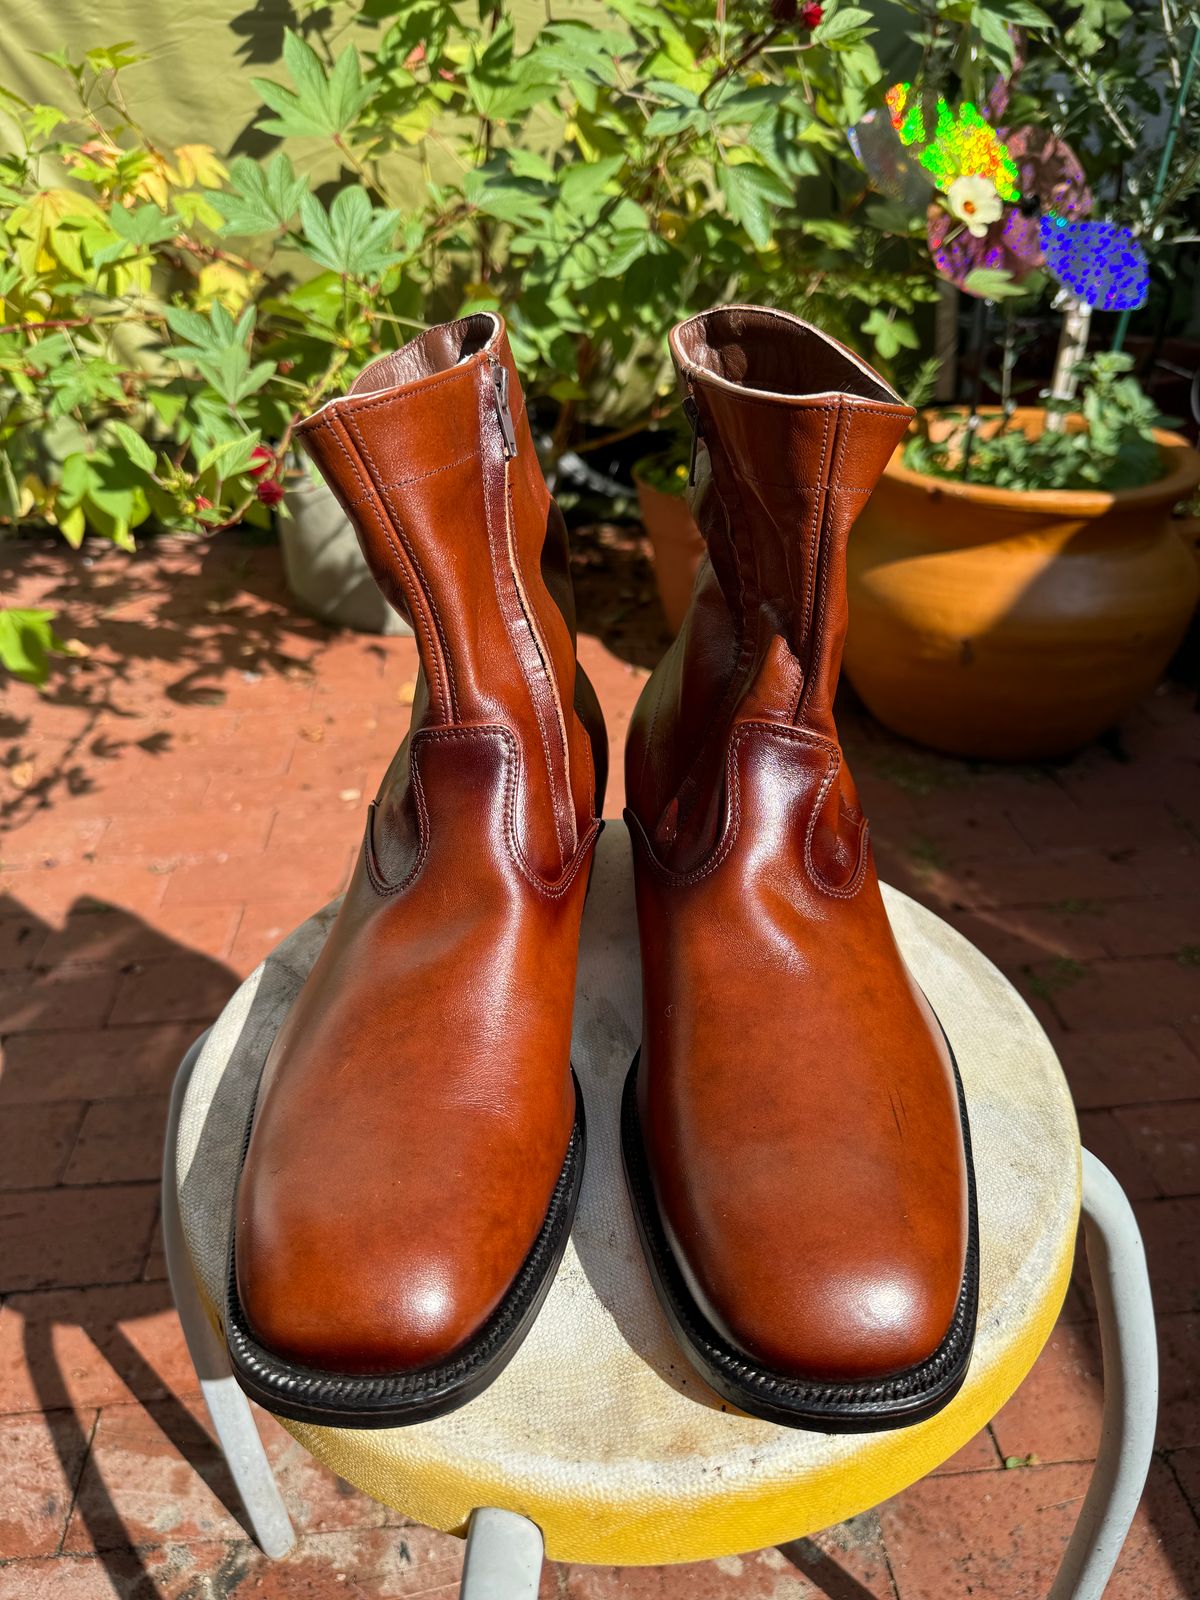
<point>799,1110</point>
<point>415,1108</point>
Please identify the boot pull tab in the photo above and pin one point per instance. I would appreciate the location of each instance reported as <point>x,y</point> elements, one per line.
<point>692,412</point>
<point>499,376</point>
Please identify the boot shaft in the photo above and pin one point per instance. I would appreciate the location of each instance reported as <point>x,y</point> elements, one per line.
<point>791,434</point>
<point>431,457</point>
<point>796,431</point>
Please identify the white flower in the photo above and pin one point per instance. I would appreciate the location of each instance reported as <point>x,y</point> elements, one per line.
<point>974,200</point>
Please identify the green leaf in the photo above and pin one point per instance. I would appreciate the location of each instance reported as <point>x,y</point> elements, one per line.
<point>750,192</point>
<point>112,57</point>
<point>353,238</point>
<point>232,455</point>
<point>144,226</point>
<point>579,51</point>
<point>498,192</point>
<point>26,642</point>
<point>677,93</point>
<point>583,183</point>
<point>890,334</point>
<point>321,105</point>
<point>260,199</point>
<point>844,22</point>
<point>502,85</point>
<point>205,334</point>
<point>136,448</point>
<point>892,216</point>
<point>992,283</point>
<point>1020,13</point>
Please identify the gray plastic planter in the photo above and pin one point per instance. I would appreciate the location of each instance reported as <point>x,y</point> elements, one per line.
<point>325,567</point>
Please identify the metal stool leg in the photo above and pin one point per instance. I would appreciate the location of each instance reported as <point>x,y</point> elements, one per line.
<point>1117,1263</point>
<point>227,1405</point>
<point>504,1557</point>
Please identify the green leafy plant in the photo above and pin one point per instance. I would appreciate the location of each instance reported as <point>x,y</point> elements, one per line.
<point>1113,447</point>
<point>27,641</point>
<point>167,316</point>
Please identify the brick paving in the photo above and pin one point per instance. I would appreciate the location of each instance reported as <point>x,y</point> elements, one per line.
<point>194,786</point>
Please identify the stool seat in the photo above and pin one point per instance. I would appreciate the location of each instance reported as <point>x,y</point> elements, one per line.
<point>598,1430</point>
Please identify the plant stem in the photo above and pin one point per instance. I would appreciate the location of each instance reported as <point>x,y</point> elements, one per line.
<point>1009,357</point>
<point>1072,348</point>
<point>979,341</point>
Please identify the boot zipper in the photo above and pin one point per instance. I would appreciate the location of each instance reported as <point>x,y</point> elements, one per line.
<point>692,412</point>
<point>499,376</point>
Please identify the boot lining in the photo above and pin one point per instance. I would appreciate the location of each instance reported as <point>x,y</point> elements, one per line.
<point>754,347</point>
<point>436,350</point>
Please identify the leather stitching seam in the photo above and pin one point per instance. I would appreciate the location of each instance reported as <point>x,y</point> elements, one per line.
<point>418,477</point>
<point>803,488</point>
<point>385,496</point>
<point>559,887</point>
<point>410,579</point>
<point>828,508</point>
<point>848,890</point>
<point>843,399</point>
<point>812,555</point>
<point>733,825</point>
<point>378,882</point>
<point>359,405</point>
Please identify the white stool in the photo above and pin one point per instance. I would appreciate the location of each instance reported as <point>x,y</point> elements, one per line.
<point>598,1439</point>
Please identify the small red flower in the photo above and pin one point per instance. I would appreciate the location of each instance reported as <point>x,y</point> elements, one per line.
<point>811,14</point>
<point>269,492</point>
<point>260,460</point>
<point>203,503</point>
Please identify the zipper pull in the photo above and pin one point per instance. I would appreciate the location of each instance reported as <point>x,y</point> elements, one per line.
<point>503,411</point>
<point>692,412</point>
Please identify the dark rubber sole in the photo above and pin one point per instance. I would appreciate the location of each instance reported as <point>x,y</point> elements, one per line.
<point>396,1399</point>
<point>893,1402</point>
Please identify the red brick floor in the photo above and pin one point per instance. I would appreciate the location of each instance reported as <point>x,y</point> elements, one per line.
<point>194,786</point>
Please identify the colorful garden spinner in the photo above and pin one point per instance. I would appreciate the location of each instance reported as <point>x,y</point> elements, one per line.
<point>963,144</point>
<point>1100,263</point>
<point>1014,203</point>
<point>890,167</point>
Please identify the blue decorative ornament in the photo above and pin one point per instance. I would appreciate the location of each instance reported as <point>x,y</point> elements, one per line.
<point>1100,263</point>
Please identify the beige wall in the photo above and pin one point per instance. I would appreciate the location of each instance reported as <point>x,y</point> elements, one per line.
<point>195,87</point>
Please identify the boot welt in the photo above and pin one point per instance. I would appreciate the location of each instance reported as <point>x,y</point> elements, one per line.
<point>896,1401</point>
<point>395,1399</point>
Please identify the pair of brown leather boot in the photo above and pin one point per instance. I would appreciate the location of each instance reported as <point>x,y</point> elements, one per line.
<point>794,1134</point>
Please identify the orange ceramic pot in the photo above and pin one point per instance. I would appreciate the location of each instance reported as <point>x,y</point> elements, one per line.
<point>678,547</point>
<point>1014,625</point>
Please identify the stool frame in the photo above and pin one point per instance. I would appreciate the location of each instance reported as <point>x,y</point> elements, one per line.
<point>504,1551</point>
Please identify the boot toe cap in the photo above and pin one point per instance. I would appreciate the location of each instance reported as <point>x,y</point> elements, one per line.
<point>324,1305</point>
<point>836,1322</point>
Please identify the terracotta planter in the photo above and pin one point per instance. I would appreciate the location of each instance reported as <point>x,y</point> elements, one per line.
<point>1014,625</point>
<point>678,547</point>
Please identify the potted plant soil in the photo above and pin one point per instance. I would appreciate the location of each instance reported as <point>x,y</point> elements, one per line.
<point>1014,588</point>
<point>676,541</point>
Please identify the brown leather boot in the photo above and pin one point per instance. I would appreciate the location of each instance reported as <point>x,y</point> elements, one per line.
<point>417,1147</point>
<point>794,1137</point>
